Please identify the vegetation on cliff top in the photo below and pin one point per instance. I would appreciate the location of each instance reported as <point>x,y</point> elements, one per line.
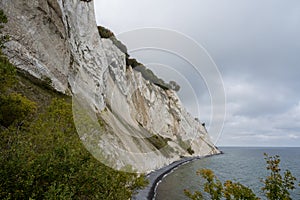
<point>146,73</point>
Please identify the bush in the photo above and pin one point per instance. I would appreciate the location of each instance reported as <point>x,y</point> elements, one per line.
<point>105,33</point>
<point>15,108</point>
<point>108,34</point>
<point>158,141</point>
<point>190,150</point>
<point>48,161</point>
<point>174,86</point>
<point>3,20</point>
<point>7,74</point>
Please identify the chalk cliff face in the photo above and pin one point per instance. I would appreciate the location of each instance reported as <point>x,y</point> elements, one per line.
<point>143,125</point>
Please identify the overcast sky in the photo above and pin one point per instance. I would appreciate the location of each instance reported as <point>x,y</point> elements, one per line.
<point>255,45</point>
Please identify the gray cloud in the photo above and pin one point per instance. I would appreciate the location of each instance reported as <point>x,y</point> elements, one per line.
<point>256,46</point>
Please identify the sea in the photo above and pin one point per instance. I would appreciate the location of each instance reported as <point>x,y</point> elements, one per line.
<point>241,164</point>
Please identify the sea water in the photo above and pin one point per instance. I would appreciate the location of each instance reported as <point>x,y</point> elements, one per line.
<point>242,164</point>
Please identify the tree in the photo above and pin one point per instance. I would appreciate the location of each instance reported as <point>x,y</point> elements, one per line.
<point>216,190</point>
<point>237,191</point>
<point>276,186</point>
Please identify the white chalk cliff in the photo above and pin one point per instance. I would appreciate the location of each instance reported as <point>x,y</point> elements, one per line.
<point>59,40</point>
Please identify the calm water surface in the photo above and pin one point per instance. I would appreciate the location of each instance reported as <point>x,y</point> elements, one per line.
<point>242,164</point>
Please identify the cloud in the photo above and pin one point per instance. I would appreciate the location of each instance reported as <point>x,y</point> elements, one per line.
<point>281,129</point>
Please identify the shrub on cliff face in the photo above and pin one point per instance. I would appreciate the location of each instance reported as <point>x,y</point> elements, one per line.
<point>7,74</point>
<point>105,33</point>
<point>108,34</point>
<point>174,86</point>
<point>3,20</point>
<point>276,185</point>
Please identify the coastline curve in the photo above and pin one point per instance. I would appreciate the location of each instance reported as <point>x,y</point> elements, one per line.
<point>155,177</point>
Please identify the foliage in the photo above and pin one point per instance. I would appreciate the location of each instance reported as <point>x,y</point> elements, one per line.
<point>216,190</point>
<point>150,76</point>
<point>43,157</point>
<point>105,32</point>
<point>108,34</point>
<point>232,191</point>
<point>213,186</point>
<point>133,62</point>
<point>197,195</point>
<point>3,20</point>
<point>190,150</point>
<point>7,74</point>
<point>47,160</point>
<point>276,186</point>
<point>14,108</point>
<point>158,141</point>
<point>174,86</point>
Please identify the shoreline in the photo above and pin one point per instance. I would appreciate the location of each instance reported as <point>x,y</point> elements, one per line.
<point>155,177</point>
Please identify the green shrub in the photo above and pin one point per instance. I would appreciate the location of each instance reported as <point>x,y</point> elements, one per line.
<point>277,185</point>
<point>14,108</point>
<point>158,141</point>
<point>3,20</point>
<point>7,74</point>
<point>190,150</point>
<point>48,161</point>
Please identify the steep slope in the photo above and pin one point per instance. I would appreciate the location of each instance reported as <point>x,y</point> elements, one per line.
<point>142,125</point>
